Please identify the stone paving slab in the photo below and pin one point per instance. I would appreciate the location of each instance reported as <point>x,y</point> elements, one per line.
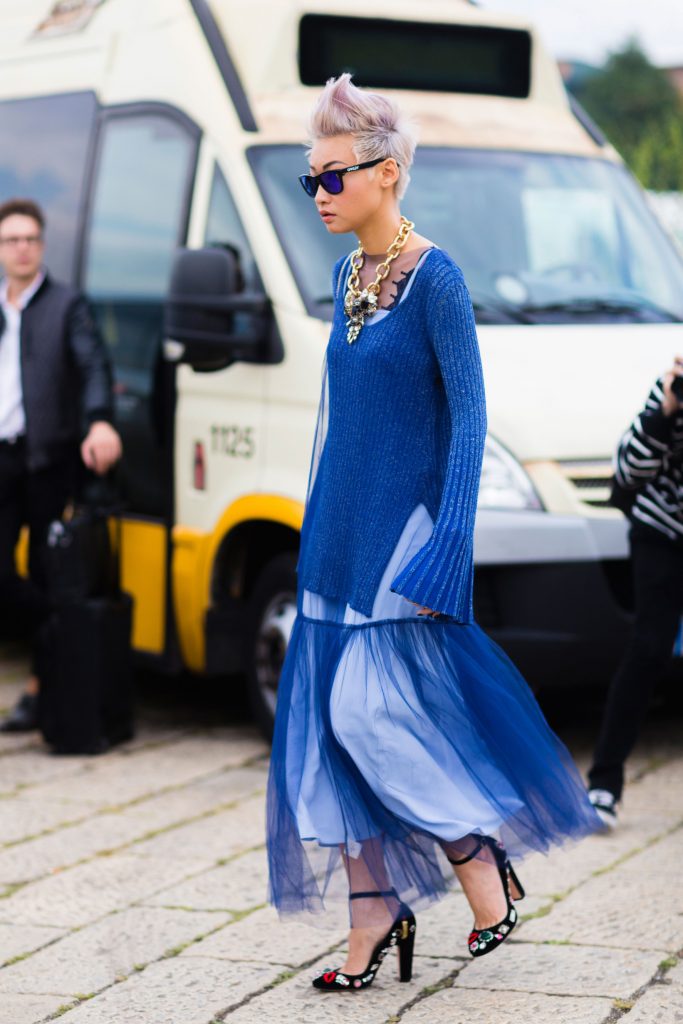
<point>562,970</point>
<point>94,957</point>
<point>21,818</point>
<point>297,1002</point>
<point>28,771</point>
<point>235,782</point>
<point>662,1003</point>
<point>110,782</point>
<point>462,1006</point>
<point>238,885</point>
<point>261,936</point>
<point>175,992</point>
<point>10,742</point>
<point>27,1009</point>
<point>564,868</point>
<point>639,913</point>
<point>662,858</point>
<point>659,1005</point>
<point>651,808</point>
<point>198,797</point>
<point>82,894</point>
<point>221,835</point>
<point>40,857</point>
<point>150,735</point>
<point>218,836</point>
<point>660,791</point>
<point>17,941</point>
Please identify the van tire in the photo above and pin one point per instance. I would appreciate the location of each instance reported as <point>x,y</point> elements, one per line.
<point>272,610</point>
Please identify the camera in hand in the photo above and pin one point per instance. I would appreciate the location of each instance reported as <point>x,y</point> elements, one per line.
<point>677,388</point>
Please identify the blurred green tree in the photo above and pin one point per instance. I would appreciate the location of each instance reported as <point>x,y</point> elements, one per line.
<point>641,113</point>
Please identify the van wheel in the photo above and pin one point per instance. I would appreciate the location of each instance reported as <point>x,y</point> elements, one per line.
<point>272,610</point>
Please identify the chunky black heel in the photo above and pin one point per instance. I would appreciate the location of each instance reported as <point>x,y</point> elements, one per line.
<point>406,946</point>
<point>512,876</point>
<point>401,934</point>
<point>485,940</point>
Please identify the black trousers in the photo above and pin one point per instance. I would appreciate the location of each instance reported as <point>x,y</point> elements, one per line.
<point>32,499</point>
<point>658,593</point>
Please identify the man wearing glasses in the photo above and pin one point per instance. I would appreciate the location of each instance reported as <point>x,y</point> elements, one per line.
<point>55,392</point>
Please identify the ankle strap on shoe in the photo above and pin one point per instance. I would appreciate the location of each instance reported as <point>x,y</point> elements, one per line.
<point>481,842</point>
<point>369,895</point>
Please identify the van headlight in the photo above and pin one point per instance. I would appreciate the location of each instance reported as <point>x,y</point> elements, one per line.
<point>504,482</point>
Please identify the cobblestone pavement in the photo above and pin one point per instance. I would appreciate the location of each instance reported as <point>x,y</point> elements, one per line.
<point>132,889</point>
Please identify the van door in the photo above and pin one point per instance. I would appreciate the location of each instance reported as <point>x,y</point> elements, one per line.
<point>140,200</point>
<point>139,212</point>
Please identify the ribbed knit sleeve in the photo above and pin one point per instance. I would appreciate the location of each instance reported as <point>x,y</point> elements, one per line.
<point>440,576</point>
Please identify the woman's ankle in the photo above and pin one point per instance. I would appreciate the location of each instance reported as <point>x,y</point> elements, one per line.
<point>480,881</point>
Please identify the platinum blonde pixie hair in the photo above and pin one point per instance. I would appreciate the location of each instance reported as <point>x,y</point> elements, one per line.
<point>375,122</point>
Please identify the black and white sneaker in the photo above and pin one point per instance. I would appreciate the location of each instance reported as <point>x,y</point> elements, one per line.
<point>605,806</point>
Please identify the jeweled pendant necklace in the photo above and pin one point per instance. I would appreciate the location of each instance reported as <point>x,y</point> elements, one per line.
<point>359,305</point>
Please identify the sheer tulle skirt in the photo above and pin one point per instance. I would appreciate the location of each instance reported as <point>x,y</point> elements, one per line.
<point>397,739</point>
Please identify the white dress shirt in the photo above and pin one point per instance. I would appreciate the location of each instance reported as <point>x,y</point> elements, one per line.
<point>12,415</point>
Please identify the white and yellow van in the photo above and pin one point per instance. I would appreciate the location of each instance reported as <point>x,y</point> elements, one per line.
<point>143,127</point>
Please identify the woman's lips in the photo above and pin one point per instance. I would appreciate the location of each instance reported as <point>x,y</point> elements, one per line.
<point>327,216</point>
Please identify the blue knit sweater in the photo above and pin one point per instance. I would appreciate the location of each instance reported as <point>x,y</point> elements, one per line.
<point>406,425</point>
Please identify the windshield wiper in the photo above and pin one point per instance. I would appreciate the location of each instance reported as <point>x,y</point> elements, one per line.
<point>604,305</point>
<point>486,310</point>
<point>493,312</point>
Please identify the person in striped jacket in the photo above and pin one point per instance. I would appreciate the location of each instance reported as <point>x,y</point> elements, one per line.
<point>649,487</point>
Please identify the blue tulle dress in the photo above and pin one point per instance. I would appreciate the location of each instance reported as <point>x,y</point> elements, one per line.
<point>397,739</point>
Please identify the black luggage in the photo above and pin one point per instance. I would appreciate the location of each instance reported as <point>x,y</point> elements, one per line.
<point>85,670</point>
<point>86,684</point>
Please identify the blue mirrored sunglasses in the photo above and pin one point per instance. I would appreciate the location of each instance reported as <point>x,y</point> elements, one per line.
<point>333,181</point>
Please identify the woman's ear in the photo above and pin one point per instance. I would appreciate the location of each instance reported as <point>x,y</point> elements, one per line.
<point>388,173</point>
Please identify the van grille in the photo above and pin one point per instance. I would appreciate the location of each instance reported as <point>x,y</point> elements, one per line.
<point>591,480</point>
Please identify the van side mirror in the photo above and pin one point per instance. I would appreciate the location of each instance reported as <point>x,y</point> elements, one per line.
<point>209,320</point>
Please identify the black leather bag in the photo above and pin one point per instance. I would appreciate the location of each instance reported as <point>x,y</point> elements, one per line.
<point>86,699</point>
<point>79,561</point>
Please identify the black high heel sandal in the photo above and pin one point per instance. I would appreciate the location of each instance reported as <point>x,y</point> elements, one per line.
<point>485,940</point>
<point>401,934</point>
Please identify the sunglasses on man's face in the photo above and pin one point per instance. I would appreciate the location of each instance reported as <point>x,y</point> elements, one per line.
<point>332,181</point>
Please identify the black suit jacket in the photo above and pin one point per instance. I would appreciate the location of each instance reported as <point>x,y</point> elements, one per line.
<point>65,372</point>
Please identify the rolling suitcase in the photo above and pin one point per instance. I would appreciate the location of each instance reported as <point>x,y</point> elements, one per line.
<point>86,693</point>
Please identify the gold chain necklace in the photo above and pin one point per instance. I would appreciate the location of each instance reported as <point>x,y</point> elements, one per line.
<point>359,305</point>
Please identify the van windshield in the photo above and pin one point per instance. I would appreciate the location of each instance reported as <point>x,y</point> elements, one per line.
<point>540,238</point>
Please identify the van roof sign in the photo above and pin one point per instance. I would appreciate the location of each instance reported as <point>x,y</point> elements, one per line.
<point>67,16</point>
<point>392,54</point>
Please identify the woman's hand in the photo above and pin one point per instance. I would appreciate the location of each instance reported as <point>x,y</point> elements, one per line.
<point>671,403</point>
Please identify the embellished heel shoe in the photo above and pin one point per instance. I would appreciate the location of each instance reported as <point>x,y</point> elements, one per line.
<point>401,934</point>
<point>485,940</point>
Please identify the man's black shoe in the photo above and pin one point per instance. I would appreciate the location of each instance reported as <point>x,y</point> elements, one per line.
<point>24,715</point>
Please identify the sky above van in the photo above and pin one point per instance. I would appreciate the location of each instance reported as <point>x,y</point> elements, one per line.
<point>589,29</point>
